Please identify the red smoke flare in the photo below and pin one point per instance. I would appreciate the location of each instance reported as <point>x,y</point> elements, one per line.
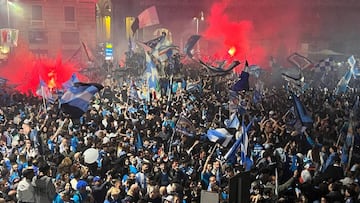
<point>25,71</point>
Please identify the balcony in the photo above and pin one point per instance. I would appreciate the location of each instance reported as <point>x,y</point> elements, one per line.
<point>70,25</point>
<point>37,24</point>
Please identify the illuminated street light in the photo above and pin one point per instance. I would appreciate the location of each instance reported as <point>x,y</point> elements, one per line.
<point>8,13</point>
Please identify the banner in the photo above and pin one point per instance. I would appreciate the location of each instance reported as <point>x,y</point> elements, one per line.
<point>9,37</point>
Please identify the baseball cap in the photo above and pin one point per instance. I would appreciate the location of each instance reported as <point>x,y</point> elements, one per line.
<point>81,184</point>
<point>96,178</point>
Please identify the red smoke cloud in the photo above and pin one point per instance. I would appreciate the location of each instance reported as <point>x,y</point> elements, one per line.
<point>24,70</point>
<point>226,37</point>
<point>256,32</point>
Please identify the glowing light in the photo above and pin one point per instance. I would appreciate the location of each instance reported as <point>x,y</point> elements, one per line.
<point>4,49</point>
<point>52,82</point>
<point>232,51</point>
<point>107,21</point>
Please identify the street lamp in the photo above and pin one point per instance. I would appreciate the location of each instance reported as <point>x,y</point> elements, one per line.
<point>8,13</point>
<point>197,19</point>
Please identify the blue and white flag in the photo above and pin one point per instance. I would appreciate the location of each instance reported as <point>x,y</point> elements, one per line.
<point>154,42</point>
<point>232,122</point>
<point>219,135</point>
<point>241,141</point>
<point>352,61</point>
<point>343,83</point>
<point>151,73</point>
<point>164,52</point>
<point>44,91</point>
<point>66,85</point>
<point>76,99</point>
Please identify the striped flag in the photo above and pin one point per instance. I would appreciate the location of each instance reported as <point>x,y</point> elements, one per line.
<point>164,52</point>
<point>343,83</point>
<point>154,42</point>
<point>219,135</point>
<point>352,61</point>
<point>241,142</point>
<point>75,101</point>
<point>233,121</point>
<point>44,91</point>
<point>66,85</point>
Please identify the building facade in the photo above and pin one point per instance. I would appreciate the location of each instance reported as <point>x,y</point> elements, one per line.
<point>320,24</point>
<point>53,27</point>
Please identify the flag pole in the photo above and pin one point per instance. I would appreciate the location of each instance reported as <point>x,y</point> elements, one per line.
<point>43,98</point>
<point>170,90</point>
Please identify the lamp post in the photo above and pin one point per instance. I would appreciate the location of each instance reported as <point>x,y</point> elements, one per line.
<point>8,13</point>
<point>197,19</point>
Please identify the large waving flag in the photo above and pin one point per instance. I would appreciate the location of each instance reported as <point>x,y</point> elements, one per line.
<point>164,52</point>
<point>242,141</point>
<point>221,68</point>
<point>325,65</point>
<point>44,91</point>
<point>151,72</point>
<point>343,83</point>
<point>242,83</point>
<point>300,61</point>
<point>154,42</point>
<point>148,17</point>
<point>75,101</point>
<point>73,79</point>
<point>233,121</point>
<point>352,61</point>
<point>219,135</point>
<point>190,44</point>
<point>301,112</point>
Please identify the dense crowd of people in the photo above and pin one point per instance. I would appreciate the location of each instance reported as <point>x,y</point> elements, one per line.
<point>144,157</point>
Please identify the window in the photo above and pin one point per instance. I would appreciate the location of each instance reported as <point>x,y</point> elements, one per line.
<point>69,13</point>
<point>40,53</point>
<point>70,38</point>
<point>38,37</point>
<point>36,12</point>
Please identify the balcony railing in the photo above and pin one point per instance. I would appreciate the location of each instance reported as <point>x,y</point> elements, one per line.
<point>37,23</point>
<point>70,25</point>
